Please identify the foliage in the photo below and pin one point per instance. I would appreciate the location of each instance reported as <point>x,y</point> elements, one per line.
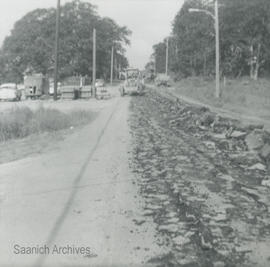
<point>30,47</point>
<point>20,122</point>
<point>244,39</point>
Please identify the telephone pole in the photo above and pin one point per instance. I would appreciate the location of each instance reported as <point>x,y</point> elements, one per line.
<point>217,50</point>
<point>112,64</point>
<point>215,17</point>
<point>56,50</point>
<point>155,64</point>
<point>94,63</point>
<point>167,55</point>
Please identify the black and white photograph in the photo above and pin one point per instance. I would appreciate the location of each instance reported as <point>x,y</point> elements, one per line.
<point>134,133</point>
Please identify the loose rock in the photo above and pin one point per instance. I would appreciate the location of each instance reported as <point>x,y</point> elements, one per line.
<point>254,140</point>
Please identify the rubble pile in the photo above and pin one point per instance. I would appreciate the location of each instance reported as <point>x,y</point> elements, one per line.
<point>204,181</point>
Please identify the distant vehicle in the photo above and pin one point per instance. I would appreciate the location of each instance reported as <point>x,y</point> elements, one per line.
<point>36,85</point>
<point>162,80</point>
<point>9,92</point>
<point>101,90</point>
<point>133,83</point>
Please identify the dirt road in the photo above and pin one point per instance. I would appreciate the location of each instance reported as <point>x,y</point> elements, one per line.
<point>81,194</point>
<point>203,190</point>
<point>143,185</point>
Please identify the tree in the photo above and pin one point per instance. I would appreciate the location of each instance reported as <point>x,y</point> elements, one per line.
<point>194,37</point>
<point>244,44</point>
<point>30,47</point>
<point>246,35</point>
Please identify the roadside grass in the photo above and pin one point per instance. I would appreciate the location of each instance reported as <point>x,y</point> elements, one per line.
<point>241,95</point>
<point>20,122</point>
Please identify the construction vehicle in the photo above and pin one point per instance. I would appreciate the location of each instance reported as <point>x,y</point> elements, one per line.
<point>133,83</point>
<point>162,79</point>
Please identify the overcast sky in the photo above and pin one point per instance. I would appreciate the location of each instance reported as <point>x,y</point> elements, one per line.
<point>149,20</point>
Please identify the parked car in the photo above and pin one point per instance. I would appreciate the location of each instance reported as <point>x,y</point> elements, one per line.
<point>10,92</point>
<point>101,90</point>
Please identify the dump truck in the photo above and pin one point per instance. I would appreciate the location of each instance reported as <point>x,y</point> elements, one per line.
<point>133,83</point>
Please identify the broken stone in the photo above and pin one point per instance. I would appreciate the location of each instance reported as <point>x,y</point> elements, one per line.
<point>219,264</point>
<point>181,240</point>
<point>207,119</point>
<point>171,214</point>
<point>220,217</point>
<point>139,221</point>
<point>148,213</point>
<point>203,128</point>
<point>190,217</point>
<point>171,228</point>
<point>243,249</point>
<point>265,152</point>
<point>252,127</point>
<point>223,145</point>
<point>161,197</point>
<point>226,177</point>
<point>254,140</point>
<point>238,134</point>
<point>219,136</point>
<point>173,220</point>
<point>266,183</point>
<point>258,166</point>
<point>223,252</point>
<point>205,243</point>
<point>209,144</point>
<point>153,207</point>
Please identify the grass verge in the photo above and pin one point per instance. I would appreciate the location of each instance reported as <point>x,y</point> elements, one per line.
<point>242,95</point>
<point>20,122</point>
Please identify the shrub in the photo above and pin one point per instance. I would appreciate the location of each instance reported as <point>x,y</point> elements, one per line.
<point>21,122</point>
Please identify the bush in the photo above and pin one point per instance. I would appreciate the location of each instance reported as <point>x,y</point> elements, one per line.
<point>21,122</point>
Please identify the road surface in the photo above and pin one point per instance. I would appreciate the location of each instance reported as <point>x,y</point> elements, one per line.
<point>81,194</point>
<point>145,184</point>
<point>203,190</point>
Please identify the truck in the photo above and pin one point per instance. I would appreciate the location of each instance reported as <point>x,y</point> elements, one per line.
<point>162,79</point>
<point>36,85</point>
<point>133,83</point>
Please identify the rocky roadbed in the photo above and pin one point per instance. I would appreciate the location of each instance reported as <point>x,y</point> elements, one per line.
<point>205,183</point>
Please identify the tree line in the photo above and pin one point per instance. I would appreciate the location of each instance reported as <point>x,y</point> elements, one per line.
<point>244,40</point>
<point>30,46</point>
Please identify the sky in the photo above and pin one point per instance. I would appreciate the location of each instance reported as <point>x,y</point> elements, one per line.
<point>149,20</point>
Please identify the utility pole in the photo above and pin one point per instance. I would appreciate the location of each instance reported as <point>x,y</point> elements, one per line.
<point>217,50</point>
<point>115,66</point>
<point>119,71</point>
<point>155,64</point>
<point>215,17</point>
<point>56,50</point>
<point>94,63</point>
<point>167,55</point>
<point>112,64</point>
